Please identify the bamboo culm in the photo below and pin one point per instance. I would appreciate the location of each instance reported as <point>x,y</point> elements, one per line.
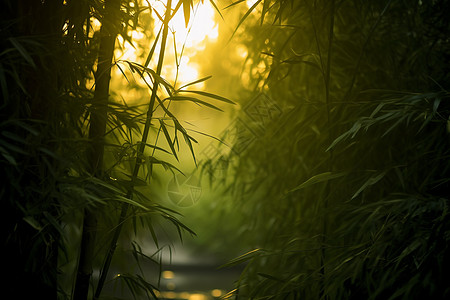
<point>140,152</point>
<point>97,131</point>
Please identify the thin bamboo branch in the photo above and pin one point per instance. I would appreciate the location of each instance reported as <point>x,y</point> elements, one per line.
<point>139,160</point>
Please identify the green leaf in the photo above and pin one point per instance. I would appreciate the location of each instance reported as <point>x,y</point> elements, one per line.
<point>165,164</point>
<point>216,8</point>
<point>195,100</point>
<point>33,223</point>
<point>168,138</point>
<point>234,3</point>
<point>249,11</point>
<point>8,156</point>
<point>265,9</point>
<point>130,201</point>
<point>22,51</point>
<point>152,50</point>
<point>195,82</point>
<point>187,4</point>
<point>268,276</point>
<point>209,95</point>
<point>243,258</point>
<point>326,176</point>
<point>371,181</point>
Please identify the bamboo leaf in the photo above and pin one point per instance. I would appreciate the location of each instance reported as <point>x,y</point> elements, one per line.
<point>130,201</point>
<point>268,276</point>
<point>187,4</point>
<point>8,156</point>
<point>209,95</point>
<point>371,181</point>
<point>326,176</point>
<point>156,147</point>
<point>152,50</point>
<point>249,11</point>
<point>166,165</point>
<point>265,9</point>
<point>168,138</point>
<point>243,258</point>
<point>33,223</point>
<point>22,51</point>
<point>216,8</point>
<point>195,82</point>
<point>234,3</point>
<point>195,100</point>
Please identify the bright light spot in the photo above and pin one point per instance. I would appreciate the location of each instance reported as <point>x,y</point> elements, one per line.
<point>188,40</point>
<point>216,293</point>
<point>170,295</point>
<point>200,27</point>
<point>137,35</point>
<point>241,51</point>
<point>197,297</point>
<point>188,72</point>
<point>95,23</point>
<point>168,275</point>
<point>184,295</point>
<point>183,43</point>
<point>250,3</point>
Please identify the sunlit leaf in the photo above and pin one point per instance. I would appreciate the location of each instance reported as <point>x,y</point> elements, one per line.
<point>216,8</point>
<point>249,11</point>
<point>168,138</point>
<point>194,82</point>
<point>233,4</point>
<point>209,95</point>
<point>194,100</point>
<point>187,5</point>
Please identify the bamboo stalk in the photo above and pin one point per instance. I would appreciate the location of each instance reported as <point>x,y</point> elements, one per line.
<point>97,131</point>
<point>138,163</point>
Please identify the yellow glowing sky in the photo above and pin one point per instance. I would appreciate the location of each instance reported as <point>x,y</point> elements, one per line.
<point>188,41</point>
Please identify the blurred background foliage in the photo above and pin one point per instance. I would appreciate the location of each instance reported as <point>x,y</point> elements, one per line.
<point>343,191</point>
<point>331,178</point>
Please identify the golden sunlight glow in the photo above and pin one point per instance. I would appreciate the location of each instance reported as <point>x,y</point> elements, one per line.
<point>170,295</point>
<point>188,40</point>
<point>200,27</point>
<point>250,3</point>
<point>197,297</point>
<point>241,51</point>
<point>168,275</point>
<point>216,293</point>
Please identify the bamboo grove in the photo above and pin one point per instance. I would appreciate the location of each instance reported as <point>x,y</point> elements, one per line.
<point>347,185</point>
<point>73,153</point>
<point>339,192</point>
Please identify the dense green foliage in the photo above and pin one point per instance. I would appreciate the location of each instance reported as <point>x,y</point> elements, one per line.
<point>76,156</point>
<point>338,177</point>
<point>344,191</point>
